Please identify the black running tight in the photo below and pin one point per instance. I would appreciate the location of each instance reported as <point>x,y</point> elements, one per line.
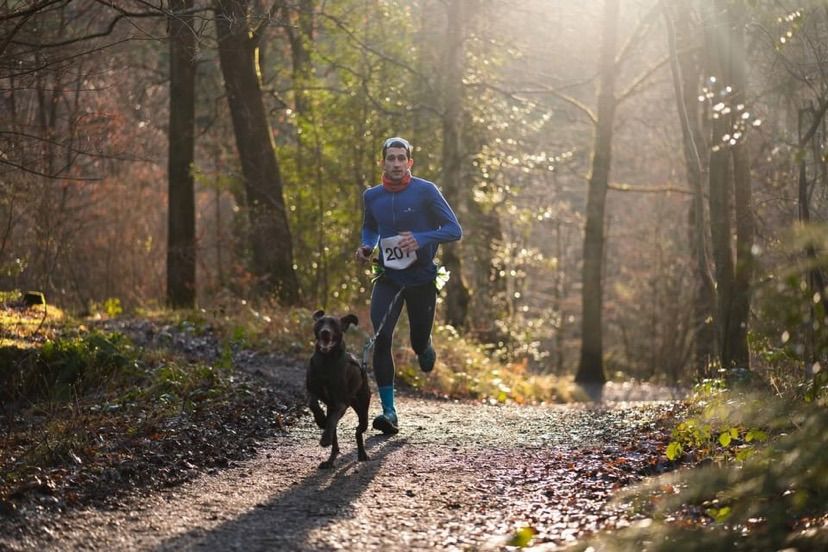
<point>419,303</point>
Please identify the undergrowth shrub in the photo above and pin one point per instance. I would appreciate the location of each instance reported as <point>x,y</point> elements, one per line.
<point>468,369</point>
<point>65,367</point>
<point>465,369</point>
<point>760,480</point>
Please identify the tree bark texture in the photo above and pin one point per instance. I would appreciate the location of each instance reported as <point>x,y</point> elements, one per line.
<point>270,237</point>
<point>591,366</point>
<point>730,186</point>
<point>808,123</point>
<point>181,249</point>
<point>745,226</point>
<point>686,70</point>
<point>457,293</point>
<point>299,28</point>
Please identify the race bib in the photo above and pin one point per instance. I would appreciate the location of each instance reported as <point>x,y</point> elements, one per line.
<point>393,256</point>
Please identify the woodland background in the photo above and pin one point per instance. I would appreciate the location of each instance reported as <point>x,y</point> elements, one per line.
<point>640,183</point>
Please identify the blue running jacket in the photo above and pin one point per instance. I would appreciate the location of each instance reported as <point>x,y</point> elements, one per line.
<point>420,209</point>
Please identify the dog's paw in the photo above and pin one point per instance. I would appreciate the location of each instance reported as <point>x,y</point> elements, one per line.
<point>326,465</point>
<point>326,440</point>
<point>363,457</point>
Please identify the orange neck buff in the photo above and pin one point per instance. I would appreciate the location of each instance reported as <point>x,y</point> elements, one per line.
<point>392,186</point>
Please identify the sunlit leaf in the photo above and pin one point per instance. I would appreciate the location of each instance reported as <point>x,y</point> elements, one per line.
<point>522,537</point>
<point>719,514</point>
<point>674,450</point>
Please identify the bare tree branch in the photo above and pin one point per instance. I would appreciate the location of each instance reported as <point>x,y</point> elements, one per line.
<point>154,12</point>
<point>56,176</point>
<point>816,123</point>
<point>568,99</point>
<point>620,187</point>
<point>350,34</point>
<point>35,8</point>
<point>48,64</point>
<point>639,31</point>
<point>13,32</point>
<point>641,79</point>
<point>75,150</point>
<point>73,40</point>
<point>258,32</point>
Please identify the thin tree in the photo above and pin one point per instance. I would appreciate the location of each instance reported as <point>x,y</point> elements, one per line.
<point>181,252</point>
<point>729,183</point>
<point>457,293</point>
<point>591,367</point>
<point>686,68</point>
<point>743,208</point>
<point>809,123</point>
<point>299,23</point>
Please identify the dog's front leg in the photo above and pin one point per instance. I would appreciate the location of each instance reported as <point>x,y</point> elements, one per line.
<point>328,464</point>
<point>318,415</point>
<point>335,412</point>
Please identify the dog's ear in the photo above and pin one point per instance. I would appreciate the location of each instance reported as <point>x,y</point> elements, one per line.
<point>318,314</point>
<point>347,320</point>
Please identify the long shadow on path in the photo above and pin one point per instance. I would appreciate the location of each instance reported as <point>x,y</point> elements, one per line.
<point>287,519</point>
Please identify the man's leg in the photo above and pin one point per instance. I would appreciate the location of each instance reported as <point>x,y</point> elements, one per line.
<point>420,301</point>
<point>381,298</point>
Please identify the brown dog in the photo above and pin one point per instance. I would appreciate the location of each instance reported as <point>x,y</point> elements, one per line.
<point>336,378</point>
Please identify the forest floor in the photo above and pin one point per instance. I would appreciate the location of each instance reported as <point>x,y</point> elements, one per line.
<point>459,475</point>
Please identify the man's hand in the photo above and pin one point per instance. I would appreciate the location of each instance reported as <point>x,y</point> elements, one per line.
<point>363,254</point>
<point>408,244</point>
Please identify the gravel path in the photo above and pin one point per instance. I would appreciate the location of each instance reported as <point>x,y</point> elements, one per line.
<point>457,476</point>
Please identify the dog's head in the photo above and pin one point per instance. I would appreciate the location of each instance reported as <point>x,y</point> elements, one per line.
<point>329,330</point>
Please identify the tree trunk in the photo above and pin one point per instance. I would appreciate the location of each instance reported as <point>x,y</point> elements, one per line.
<point>809,121</point>
<point>686,71</point>
<point>181,253</point>
<point>719,177</point>
<point>591,367</point>
<point>299,28</point>
<point>457,294</point>
<point>270,237</point>
<point>730,187</point>
<point>740,154</point>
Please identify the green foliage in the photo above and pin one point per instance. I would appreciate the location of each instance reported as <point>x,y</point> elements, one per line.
<point>760,475</point>
<point>792,325</point>
<point>263,325</point>
<point>674,450</point>
<point>61,440</point>
<point>468,369</point>
<point>178,385</point>
<point>111,307</point>
<point>66,366</point>
<point>817,390</point>
<point>760,492</point>
<point>522,537</point>
<point>68,386</point>
<point>712,431</point>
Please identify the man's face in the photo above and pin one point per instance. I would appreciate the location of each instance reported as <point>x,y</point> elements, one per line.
<point>395,164</point>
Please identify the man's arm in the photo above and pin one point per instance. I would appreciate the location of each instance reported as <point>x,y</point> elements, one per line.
<point>370,232</point>
<point>448,228</point>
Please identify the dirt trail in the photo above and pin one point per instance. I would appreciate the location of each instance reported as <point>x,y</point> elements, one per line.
<point>458,476</point>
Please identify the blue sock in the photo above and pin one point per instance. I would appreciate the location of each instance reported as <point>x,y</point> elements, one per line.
<point>387,398</point>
